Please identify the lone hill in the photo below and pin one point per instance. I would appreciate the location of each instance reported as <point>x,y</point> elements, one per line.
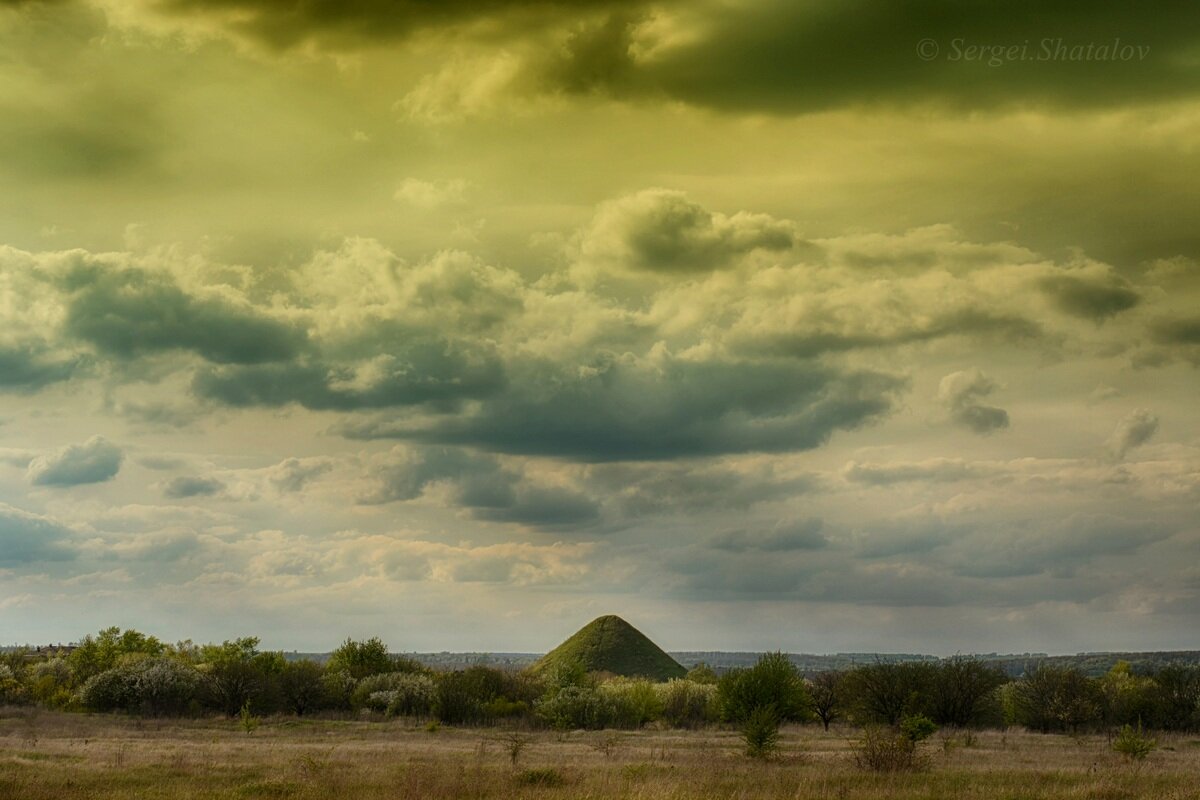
<point>610,644</point>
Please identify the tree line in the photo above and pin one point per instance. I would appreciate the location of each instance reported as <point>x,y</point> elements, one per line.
<point>130,672</point>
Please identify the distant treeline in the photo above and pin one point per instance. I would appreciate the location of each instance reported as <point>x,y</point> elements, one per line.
<point>130,672</point>
<point>1013,665</point>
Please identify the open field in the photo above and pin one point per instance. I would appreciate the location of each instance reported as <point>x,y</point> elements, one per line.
<point>45,756</point>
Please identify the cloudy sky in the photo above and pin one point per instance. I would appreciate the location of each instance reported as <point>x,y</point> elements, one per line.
<point>817,326</point>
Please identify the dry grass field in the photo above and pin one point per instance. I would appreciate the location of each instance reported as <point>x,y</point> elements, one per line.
<point>51,756</point>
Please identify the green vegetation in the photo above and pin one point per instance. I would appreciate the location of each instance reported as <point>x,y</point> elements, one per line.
<point>760,731</point>
<point>131,673</point>
<point>610,644</point>
<point>1133,743</point>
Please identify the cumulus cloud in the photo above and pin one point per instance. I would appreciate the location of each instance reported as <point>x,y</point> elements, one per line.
<point>293,474</point>
<point>30,367</point>
<point>26,537</point>
<point>661,230</point>
<point>960,393</point>
<point>1133,430</point>
<point>94,461</point>
<point>127,312</point>
<point>186,486</point>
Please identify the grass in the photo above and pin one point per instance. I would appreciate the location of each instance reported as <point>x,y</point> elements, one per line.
<point>111,758</point>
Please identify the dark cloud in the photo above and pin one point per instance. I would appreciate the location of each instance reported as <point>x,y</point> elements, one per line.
<point>423,371</point>
<point>484,487</point>
<point>783,537</point>
<point>1184,331</point>
<point>1090,299</point>
<point>616,411</point>
<point>94,461</point>
<point>784,57</point>
<point>960,393</point>
<point>26,537</point>
<point>350,23</point>
<point>129,312</point>
<point>30,367</point>
<point>543,507</point>
<point>192,486</point>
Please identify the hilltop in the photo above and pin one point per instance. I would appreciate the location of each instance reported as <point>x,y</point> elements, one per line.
<point>610,644</point>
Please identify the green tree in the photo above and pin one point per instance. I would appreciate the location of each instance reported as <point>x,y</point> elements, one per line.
<point>370,657</point>
<point>774,681</point>
<point>1128,698</point>
<point>96,654</point>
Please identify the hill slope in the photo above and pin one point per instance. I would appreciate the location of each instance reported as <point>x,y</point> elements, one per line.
<point>610,644</point>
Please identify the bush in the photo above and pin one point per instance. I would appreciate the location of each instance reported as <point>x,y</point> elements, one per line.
<point>540,776</point>
<point>1133,744</point>
<point>882,749</point>
<point>760,732</point>
<point>687,704</point>
<point>412,697</point>
<point>773,681</point>
<point>379,684</point>
<point>632,702</point>
<point>702,673</point>
<point>917,727</point>
<point>467,696</point>
<point>151,686</point>
<point>11,690</point>
<point>574,707</point>
<point>49,683</point>
<point>164,686</point>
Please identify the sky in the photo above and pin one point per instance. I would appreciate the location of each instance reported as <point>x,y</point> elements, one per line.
<point>816,326</point>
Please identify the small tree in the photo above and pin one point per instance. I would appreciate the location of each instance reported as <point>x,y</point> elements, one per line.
<point>760,732</point>
<point>826,692</point>
<point>1133,744</point>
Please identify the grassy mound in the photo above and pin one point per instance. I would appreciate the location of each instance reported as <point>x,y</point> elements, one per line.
<point>610,644</point>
